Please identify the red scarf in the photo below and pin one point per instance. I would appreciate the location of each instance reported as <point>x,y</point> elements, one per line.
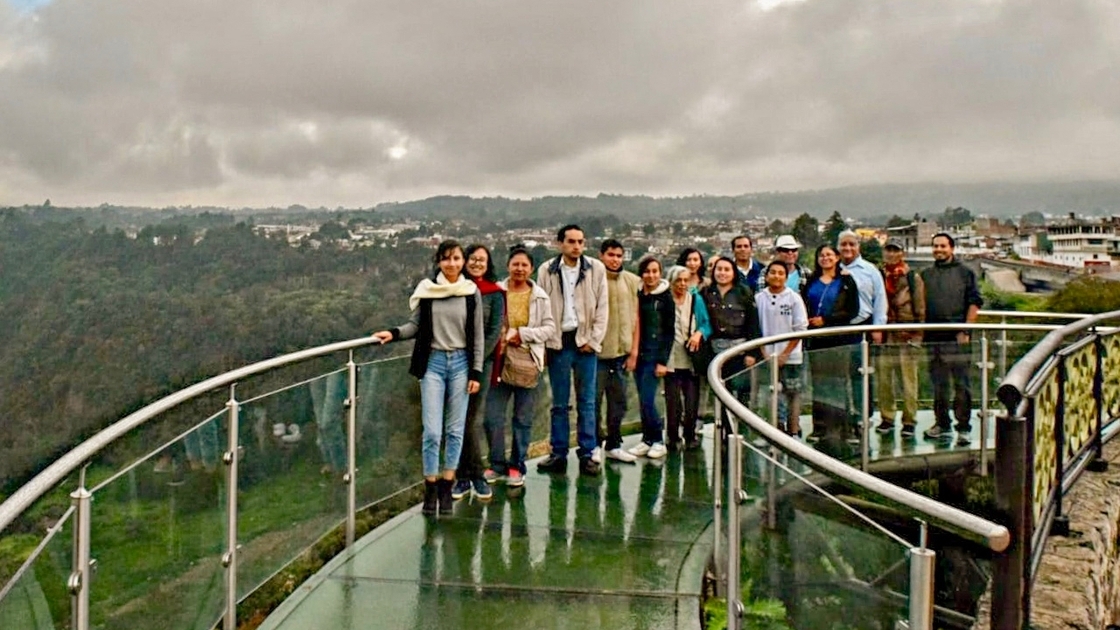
<point>486,287</point>
<point>893,273</point>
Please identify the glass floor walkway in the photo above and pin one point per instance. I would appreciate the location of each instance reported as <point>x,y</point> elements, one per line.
<point>626,549</point>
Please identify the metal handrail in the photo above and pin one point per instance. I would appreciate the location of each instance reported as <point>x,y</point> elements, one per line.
<point>995,536</point>
<point>1014,386</point>
<point>60,469</point>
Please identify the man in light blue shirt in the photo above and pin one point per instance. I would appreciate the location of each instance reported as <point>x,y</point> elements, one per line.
<point>872,310</point>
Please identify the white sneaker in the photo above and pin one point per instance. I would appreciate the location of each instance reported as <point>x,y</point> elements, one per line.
<point>597,455</point>
<point>657,451</point>
<point>621,455</point>
<point>640,450</point>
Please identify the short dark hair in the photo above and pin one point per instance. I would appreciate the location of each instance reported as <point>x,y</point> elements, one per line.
<point>646,262</point>
<point>444,251</point>
<point>521,250</point>
<point>682,259</point>
<point>610,243</point>
<point>949,237</point>
<point>777,263</point>
<point>489,274</point>
<point>563,233</point>
<point>741,236</point>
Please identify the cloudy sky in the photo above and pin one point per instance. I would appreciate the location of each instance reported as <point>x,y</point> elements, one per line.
<point>355,102</point>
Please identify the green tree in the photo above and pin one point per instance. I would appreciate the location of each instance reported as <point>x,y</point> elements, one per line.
<point>1087,294</point>
<point>776,228</point>
<point>952,217</point>
<point>897,221</point>
<point>833,227</point>
<point>806,229</point>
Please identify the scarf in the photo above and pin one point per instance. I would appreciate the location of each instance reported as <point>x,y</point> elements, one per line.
<point>892,273</point>
<point>441,288</point>
<point>487,287</point>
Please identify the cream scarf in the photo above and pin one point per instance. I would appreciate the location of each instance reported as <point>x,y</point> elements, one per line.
<point>440,289</point>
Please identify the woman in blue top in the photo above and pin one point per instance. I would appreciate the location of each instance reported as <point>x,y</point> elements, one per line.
<point>682,381</point>
<point>831,299</point>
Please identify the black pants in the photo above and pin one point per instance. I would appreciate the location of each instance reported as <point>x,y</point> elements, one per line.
<point>470,461</point>
<point>610,383</point>
<point>682,400</point>
<point>949,365</point>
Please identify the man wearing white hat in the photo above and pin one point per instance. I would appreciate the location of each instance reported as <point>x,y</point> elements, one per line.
<point>786,249</point>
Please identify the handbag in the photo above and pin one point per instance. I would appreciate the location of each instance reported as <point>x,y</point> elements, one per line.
<point>702,356</point>
<point>519,368</point>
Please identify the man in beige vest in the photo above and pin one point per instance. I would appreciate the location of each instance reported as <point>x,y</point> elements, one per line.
<point>620,350</point>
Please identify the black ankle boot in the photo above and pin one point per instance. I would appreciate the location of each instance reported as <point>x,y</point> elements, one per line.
<point>445,499</point>
<point>430,493</point>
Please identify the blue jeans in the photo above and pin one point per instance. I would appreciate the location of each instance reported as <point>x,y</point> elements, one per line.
<point>562,364</point>
<point>652,425</point>
<point>496,402</point>
<point>443,409</point>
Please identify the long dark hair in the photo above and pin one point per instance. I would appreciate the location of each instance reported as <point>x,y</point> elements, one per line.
<point>489,274</point>
<point>682,260</point>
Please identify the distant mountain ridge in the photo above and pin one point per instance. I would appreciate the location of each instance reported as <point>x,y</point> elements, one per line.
<point>998,199</point>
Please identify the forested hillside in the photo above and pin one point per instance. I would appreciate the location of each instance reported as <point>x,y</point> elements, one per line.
<point>94,324</point>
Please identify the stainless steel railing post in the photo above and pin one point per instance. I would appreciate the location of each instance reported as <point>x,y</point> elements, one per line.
<point>985,375</point>
<point>921,583</point>
<point>865,406</point>
<point>229,559</point>
<point>717,485</point>
<point>351,451</point>
<point>772,470</point>
<point>734,548</point>
<point>79,582</point>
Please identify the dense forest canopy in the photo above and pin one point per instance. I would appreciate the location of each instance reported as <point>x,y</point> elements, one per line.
<point>94,324</point>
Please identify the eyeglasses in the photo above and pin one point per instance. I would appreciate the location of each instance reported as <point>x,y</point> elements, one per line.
<point>786,250</point>
<point>481,261</point>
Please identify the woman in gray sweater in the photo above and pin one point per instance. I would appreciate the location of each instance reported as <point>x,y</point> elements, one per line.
<point>447,358</point>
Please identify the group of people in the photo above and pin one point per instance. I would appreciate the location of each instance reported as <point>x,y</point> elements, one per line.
<point>481,344</point>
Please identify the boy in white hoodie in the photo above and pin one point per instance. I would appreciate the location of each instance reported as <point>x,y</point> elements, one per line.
<point>781,310</point>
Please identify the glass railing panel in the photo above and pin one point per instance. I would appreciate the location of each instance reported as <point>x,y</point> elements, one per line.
<point>817,559</point>
<point>388,427</point>
<point>158,531</point>
<point>291,490</point>
<point>37,598</point>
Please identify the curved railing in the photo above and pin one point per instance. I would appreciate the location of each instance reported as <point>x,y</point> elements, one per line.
<point>994,536</point>
<point>187,524</point>
<point>1062,401</point>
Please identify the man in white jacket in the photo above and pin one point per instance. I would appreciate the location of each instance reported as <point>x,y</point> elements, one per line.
<point>577,288</point>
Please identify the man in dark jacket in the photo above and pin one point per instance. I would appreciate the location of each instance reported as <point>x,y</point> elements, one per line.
<point>952,296</point>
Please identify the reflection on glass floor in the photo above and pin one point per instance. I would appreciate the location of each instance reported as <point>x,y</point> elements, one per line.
<point>623,550</point>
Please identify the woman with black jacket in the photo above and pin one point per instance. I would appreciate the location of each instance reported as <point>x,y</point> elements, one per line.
<point>447,358</point>
<point>734,320</point>
<point>656,327</point>
<point>831,299</point>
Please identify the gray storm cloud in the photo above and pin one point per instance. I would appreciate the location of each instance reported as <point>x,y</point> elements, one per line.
<point>352,103</point>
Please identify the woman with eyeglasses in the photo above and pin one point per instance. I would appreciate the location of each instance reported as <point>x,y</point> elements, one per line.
<point>480,269</point>
<point>447,357</point>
